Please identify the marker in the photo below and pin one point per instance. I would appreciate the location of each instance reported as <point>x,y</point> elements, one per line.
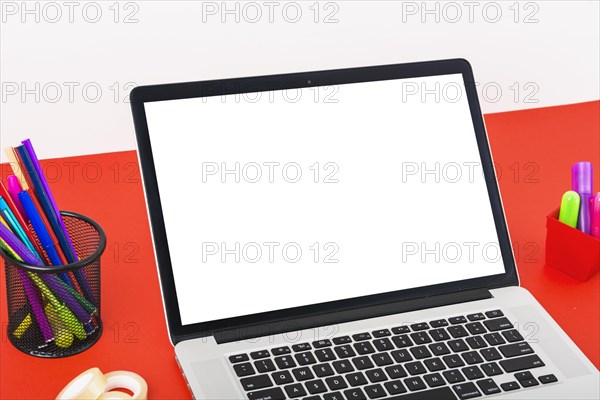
<point>569,208</point>
<point>14,188</point>
<point>582,182</point>
<point>595,211</point>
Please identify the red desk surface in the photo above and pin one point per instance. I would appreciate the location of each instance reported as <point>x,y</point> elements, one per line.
<point>533,151</point>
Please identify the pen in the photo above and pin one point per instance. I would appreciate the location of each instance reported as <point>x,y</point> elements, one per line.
<point>14,225</point>
<point>582,182</point>
<point>569,208</point>
<point>595,211</point>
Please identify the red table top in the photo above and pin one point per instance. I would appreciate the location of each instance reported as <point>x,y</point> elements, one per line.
<point>533,151</point>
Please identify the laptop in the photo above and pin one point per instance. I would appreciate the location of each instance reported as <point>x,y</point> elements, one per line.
<point>339,235</point>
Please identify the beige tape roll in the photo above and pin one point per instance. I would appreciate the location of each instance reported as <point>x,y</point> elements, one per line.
<point>89,385</point>
<point>114,395</point>
<point>127,380</point>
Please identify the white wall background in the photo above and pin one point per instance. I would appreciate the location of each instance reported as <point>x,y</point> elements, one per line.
<point>66,67</point>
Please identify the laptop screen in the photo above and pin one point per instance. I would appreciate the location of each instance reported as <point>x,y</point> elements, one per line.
<point>282,199</point>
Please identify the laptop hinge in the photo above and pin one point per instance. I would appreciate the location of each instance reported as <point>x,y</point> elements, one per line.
<point>341,316</point>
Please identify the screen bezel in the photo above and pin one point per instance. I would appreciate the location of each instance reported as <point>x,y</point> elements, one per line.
<point>145,94</point>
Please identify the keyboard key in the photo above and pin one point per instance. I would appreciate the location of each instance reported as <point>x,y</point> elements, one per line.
<point>458,345</point>
<point>279,351</point>
<point>264,365</point>
<point>472,357</point>
<point>529,382</point>
<point>521,363</point>
<point>295,390</point>
<point>342,340</point>
<point>318,344</point>
<point>344,351</point>
<point>421,326</point>
<point>457,331</point>
<point>498,324</point>
<point>453,361</point>
<point>547,379</point>
<point>302,374</point>
<point>364,348</point>
<point>476,342</point>
<point>238,358</point>
<point>434,364</point>
<point>305,358</point>
<point>516,349</point>
<point>472,373</point>
<point>343,366</point>
<point>457,320</point>
<point>434,380</point>
<point>508,386</point>
<point>301,347</point>
<point>361,336</point>
<point>256,382</point>
<point>382,359</point>
<point>354,394</point>
<point>267,394</point>
<point>414,383</point>
<point>420,352</point>
<point>315,397</point>
<point>439,334</point>
<point>438,323</point>
<point>441,393</point>
<point>259,354</point>
<point>333,396</point>
<point>362,363</point>
<point>475,328</point>
<point>521,376</point>
<point>376,375</point>
<point>401,355</point>
<point>475,317</point>
<point>490,354</point>
<point>415,368</point>
<point>399,330</point>
<point>396,371</point>
<point>324,355</point>
<point>402,341</point>
<point>381,333</point>
<point>494,314</point>
<point>336,383</point>
<point>322,370</point>
<point>375,391</point>
<point>494,339</point>
<point>453,376</point>
<point>316,386</point>
<point>356,379</point>
<point>512,336</point>
<point>285,362</point>
<point>466,390</point>
<point>420,337</point>
<point>383,344</point>
<point>244,369</point>
<point>491,369</point>
<point>395,387</point>
<point>439,349</point>
<point>282,377</point>
<point>488,386</point>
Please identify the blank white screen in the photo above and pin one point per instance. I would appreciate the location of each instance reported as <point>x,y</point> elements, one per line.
<point>391,194</point>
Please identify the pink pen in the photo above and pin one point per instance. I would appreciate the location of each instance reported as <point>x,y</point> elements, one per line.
<point>14,188</point>
<point>595,211</point>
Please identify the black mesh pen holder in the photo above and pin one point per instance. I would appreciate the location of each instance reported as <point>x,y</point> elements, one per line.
<point>54,311</point>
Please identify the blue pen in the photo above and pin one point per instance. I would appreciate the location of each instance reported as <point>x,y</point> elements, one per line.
<point>14,225</point>
<point>42,233</point>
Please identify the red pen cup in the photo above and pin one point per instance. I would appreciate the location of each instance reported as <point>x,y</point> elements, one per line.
<point>571,251</point>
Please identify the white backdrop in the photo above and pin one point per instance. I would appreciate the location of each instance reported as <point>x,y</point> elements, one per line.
<point>66,67</point>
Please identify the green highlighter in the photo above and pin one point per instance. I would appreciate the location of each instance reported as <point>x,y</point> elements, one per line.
<point>569,208</point>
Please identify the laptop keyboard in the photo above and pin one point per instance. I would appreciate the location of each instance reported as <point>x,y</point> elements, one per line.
<point>456,358</point>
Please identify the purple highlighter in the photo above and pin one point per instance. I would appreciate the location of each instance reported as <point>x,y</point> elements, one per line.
<point>583,181</point>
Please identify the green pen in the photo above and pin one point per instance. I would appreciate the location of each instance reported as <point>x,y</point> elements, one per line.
<point>569,208</point>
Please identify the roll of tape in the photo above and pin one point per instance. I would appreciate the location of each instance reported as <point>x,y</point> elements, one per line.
<point>115,395</point>
<point>89,385</point>
<point>127,380</point>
